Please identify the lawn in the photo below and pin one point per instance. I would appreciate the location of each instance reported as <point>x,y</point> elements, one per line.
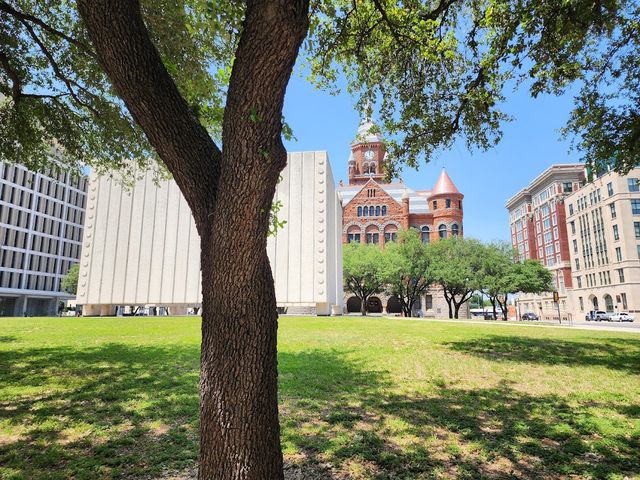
<point>359,398</point>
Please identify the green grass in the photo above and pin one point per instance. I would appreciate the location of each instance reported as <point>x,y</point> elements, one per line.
<point>359,398</point>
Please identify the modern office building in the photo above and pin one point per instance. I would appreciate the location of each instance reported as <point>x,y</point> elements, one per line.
<point>537,218</point>
<point>603,220</point>
<point>141,247</point>
<point>374,210</point>
<point>41,228</point>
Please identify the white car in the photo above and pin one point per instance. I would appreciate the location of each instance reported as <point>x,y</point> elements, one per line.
<point>621,317</point>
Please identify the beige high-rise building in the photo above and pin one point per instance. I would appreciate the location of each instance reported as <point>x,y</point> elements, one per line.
<point>603,225</point>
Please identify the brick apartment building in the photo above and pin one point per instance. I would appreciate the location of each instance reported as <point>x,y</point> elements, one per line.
<point>537,218</point>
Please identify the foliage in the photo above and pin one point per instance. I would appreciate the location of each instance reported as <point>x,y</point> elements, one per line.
<point>363,267</point>
<point>502,275</point>
<point>70,281</point>
<point>407,269</point>
<point>438,70</point>
<point>435,70</point>
<point>107,398</point>
<point>457,267</point>
<point>56,93</point>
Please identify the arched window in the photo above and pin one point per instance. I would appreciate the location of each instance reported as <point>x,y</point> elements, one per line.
<point>365,212</point>
<point>608,303</point>
<point>454,230</point>
<point>372,168</point>
<point>384,210</point>
<point>359,211</point>
<point>371,211</point>
<point>377,211</point>
<point>424,234</point>
<point>442,231</point>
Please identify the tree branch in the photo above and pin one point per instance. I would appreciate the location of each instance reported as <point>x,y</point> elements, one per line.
<point>16,82</point>
<point>131,61</point>
<point>25,17</point>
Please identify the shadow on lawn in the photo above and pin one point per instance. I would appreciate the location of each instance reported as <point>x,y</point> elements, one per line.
<point>119,411</point>
<point>613,353</point>
<point>113,411</point>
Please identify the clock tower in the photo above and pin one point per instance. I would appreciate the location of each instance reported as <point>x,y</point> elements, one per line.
<point>367,155</point>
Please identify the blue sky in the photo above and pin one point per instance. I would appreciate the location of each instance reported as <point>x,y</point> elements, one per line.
<point>531,143</point>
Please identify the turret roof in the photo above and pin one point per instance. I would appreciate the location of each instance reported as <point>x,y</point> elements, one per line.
<point>444,185</point>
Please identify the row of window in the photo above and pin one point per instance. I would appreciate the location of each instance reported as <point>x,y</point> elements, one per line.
<point>447,204</point>
<point>608,302</point>
<point>372,211</point>
<point>374,237</point>
<point>21,176</point>
<point>32,282</point>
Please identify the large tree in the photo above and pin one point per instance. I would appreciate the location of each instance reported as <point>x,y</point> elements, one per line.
<point>363,266</point>
<point>456,265</point>
<point>407,269</point>
<point>200,86</point>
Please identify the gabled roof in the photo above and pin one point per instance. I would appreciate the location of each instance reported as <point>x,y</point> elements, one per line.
<point>418,201</point>
<point>444,185</point>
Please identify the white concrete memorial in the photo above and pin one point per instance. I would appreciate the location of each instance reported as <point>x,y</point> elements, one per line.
<point>141,246</point>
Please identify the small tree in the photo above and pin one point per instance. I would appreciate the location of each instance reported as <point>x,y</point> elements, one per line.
<point>407,269</point>
<point>363,267</point>
<point>70,281</point>
<point>497,274</point>
<point>457,267</point>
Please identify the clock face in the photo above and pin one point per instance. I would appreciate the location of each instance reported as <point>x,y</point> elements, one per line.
<point>369,154</point>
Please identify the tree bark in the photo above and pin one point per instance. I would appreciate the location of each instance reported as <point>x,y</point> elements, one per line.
<point>230,194</point>
<point>363,306</point>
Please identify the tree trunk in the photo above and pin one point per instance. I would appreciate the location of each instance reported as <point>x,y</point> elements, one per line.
<point>363,306</point>
<point>239,430</point>
<point>229,193</point>
<point>457,309</point>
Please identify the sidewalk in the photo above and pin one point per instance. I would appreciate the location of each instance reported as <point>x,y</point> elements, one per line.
<point>630,327</point>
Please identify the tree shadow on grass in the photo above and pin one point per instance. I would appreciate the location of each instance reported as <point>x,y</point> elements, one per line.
<point>7,339</point>
<point>350,419</point>
<point>113,411</point>
<point>612,353</point>
<point>126,411</point>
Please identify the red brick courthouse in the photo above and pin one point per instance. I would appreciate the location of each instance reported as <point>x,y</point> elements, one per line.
<point>374,211</point>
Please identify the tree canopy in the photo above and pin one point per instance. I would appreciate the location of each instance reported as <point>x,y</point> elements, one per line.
<point>407,271</point>
<point>70,281</point>
<point>363,268</point>
<point>457,267</point>
<point>434,71</point>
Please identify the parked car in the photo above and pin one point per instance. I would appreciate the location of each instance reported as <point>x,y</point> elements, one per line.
<point>621,317</point>
<point>529,316</point>
<point>597,315</point>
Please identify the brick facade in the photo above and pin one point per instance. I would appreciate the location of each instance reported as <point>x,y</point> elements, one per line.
<point>374,211</point>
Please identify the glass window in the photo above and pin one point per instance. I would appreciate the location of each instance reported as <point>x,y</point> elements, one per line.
<point>613,210</point>
<point>573,228</point>
<point>447,203</point>
<point>618,254</point>
<point>390,237</point>
<point>616,235</point>
<point>635,206</point>
<point>634,186</point>
<point>571,209</point>
<point>435,204</point>
<point>623,297</point>
<point>454,230</point>
<point>579,281</point>
<point>377,211</point>
<point>621,274</point>
<point>353,237</point>
<point>373,238</point>
<point>384,210</point>
<point>610,188</point>
<point>365,212</point>
<point>359,211</point>
<point>442,231</point>
<point>424,234</point>
<point>371,211</point>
